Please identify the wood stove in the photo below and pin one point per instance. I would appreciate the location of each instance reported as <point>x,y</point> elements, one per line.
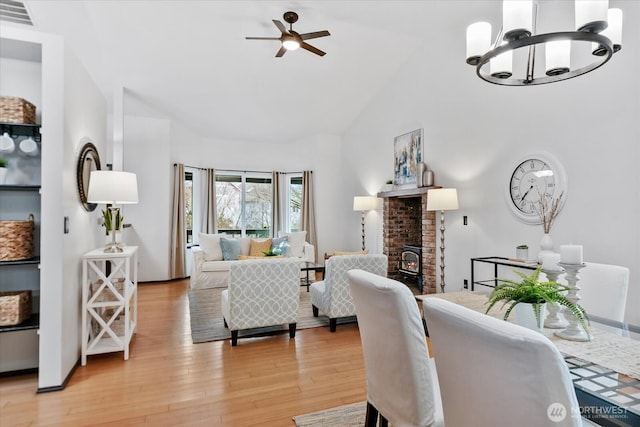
<point>411,263</point>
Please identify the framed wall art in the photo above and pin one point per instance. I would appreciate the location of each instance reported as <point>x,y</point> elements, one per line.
<point>407,151</point>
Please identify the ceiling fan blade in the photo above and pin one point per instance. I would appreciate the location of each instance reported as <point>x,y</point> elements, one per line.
<point>280,26</point>
<point>307,36</point>
<point>281,52</point>
<point>312,49</point>
<point>262,38</point>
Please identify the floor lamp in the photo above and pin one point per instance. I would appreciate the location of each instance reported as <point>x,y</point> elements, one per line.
<point>113,188</point>
<point>442,199</point>
<point>364,204</point>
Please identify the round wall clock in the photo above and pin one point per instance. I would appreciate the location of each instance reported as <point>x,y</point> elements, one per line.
<point>535,178</point>
<point>88,161</point>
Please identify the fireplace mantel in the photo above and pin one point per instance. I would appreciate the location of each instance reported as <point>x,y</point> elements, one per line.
<point>407,192</point>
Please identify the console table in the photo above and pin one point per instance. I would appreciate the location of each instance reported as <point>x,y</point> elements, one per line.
<point>496,261</point>
<point>109,301</point>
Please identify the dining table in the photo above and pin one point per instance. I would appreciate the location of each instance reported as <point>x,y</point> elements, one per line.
<point>605,370</point>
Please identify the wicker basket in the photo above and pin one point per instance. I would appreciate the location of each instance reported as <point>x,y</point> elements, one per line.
<point>17,110</point>
<point>16,239</point>
<point>15,307</point>
<point>107,293</point>
<point>117,326</point>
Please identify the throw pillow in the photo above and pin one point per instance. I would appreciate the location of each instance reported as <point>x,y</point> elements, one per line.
<point>296,241</point>
<point>230,248</point>
<point>280,245</point>
<point>210,245</point>
<point>258,248</point>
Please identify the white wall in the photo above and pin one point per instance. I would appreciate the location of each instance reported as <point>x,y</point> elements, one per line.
<point>474,134</point>
<point>85,113</point>
<point>146,153</point>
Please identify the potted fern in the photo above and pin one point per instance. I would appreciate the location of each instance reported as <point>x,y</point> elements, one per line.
<point>529,297</point>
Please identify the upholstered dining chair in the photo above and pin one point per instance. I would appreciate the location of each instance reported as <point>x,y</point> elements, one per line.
<point>495,373</point>
<point>603,290</point>
<point>331,296</point>
<point>402,385</point>
<point>262,293</point>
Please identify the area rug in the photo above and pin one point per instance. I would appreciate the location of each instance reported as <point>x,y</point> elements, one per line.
<point>207,323</point>
<point>351,415</point>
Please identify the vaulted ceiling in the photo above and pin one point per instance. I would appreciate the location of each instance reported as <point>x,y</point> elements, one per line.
<point>189,60</point>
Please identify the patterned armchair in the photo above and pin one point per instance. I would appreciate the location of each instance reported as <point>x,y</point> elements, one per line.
<point>262,293</point>
<point>332,296</point>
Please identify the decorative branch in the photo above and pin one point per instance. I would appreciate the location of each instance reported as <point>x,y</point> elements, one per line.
<point>549,213</point>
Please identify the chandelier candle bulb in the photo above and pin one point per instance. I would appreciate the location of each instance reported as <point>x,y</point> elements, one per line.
<point>613,32</point>
<point>591,15</point>
<point>571,254</point>
<point>517,19</point>
<point>478,41</point>
<point>557,57</point>
<point>502,65</point>
<point>550,262</point>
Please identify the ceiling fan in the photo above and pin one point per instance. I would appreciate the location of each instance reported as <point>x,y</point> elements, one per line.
<point>290,39</point>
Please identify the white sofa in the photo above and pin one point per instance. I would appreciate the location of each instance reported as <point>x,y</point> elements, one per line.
<point>210,270</point>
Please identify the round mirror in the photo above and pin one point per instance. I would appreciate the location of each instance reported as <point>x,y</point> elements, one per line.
<point>88,161</point>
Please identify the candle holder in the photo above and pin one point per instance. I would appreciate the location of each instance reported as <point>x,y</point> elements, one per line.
<point>554,319</point>
<point>575,331</point>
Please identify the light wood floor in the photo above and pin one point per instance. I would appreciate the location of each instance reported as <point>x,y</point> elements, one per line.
<point>170,381</point>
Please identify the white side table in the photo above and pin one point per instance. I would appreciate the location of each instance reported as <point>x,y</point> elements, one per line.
<point>109,301</point>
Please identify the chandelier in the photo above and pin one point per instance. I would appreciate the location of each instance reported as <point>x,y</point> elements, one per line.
<point>511,59</point>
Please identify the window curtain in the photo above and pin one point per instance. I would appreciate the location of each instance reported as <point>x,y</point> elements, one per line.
<point>178,231</point>
<point>277,218</point>
<point>209,225</point>
<point>309,208</point>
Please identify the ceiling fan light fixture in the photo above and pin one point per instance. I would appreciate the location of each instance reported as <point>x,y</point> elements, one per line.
<point>290,43</point>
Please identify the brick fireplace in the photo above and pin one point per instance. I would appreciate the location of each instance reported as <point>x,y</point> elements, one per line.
<point>406,221</point>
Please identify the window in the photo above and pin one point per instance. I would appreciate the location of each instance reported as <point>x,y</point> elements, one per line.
<point>294,197</point>
<point>188,205</point>
<point>244,203</point>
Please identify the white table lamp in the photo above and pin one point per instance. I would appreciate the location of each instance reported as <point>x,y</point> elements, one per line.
<point>113,188</point>
<point>363,204</point>
<point>442,199</point>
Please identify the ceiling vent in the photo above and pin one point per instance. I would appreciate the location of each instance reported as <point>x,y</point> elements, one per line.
<point>14,11</point>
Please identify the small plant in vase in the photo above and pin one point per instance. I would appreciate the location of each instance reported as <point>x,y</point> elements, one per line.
<point>522,252</point>
<point>270,253</point>
<point>531,291</point>
<point>106,221</point>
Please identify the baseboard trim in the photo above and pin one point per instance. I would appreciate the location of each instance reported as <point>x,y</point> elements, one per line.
<point>64,383</point>
<point>18,372</point>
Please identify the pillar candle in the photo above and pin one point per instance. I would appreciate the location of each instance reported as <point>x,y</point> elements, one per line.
<point>571,254</point>
<point>550,262</point>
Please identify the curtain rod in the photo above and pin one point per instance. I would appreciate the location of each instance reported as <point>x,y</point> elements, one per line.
<point>237,170</point>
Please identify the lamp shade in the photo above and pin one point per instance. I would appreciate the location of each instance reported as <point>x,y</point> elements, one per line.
<point>442,199</point>
<point>364,203</point>
<point>114,187</point>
